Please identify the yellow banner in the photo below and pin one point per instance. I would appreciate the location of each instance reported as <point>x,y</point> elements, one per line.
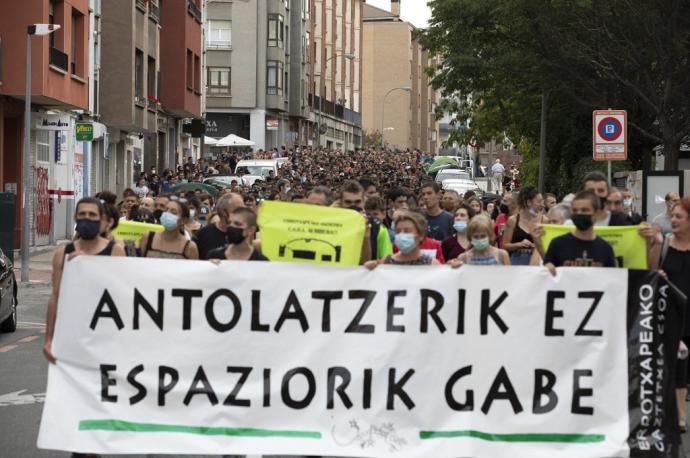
<point>131,230</point>
<point>628,245</point>
<point>309,233</point>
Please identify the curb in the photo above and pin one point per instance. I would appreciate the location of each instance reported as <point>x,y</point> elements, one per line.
<point>34,284</point>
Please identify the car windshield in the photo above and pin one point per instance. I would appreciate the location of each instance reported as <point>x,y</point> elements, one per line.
<point>223,179</point>
<point>258,170</point>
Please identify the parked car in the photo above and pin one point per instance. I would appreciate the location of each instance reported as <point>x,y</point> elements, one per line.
<point>461,186</point>
<point>224,181</point>
<point>259,167</point>
<point>452,174</point>
<point>8,295</point>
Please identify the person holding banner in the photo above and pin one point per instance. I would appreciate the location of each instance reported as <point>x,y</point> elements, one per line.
<point>582,247</point>
<point>172,243</point>
<point>89,216</point>
<point>213,234</point>
<point>240,232</point>
<point>483,253</point>
<point>410,231</point>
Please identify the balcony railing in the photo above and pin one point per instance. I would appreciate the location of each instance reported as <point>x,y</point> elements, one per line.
<point>141,4</point>
<point>58,59</point>
<point>194,10</point>
<point>154,12</point>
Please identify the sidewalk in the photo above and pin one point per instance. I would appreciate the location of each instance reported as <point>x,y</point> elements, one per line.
<point>40,264</point>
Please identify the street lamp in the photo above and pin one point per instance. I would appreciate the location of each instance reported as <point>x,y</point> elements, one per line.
<point>40,30</point>
<point>383,109</point>
<point>322,88</point>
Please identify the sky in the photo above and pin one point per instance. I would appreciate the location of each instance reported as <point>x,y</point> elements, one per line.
<point>414,11</point>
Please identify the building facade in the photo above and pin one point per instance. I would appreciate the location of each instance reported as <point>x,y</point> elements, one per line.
<point>336,45</point>
<point>395,59</point>
<point>59,95</point>
<point>256,68</point>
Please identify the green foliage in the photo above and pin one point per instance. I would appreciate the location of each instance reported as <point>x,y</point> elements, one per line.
<point>500,56</point>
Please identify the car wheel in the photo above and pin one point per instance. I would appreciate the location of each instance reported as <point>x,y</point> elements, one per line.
<point>10,323</point>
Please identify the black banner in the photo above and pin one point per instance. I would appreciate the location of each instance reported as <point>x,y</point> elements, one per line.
<point>655,326</point>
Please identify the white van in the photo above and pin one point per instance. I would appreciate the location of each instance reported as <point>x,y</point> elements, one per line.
<point>259,167</point>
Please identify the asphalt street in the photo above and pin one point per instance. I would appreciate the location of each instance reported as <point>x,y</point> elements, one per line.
<point>23,379</point>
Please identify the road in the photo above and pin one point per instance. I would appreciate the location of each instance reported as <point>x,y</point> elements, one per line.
<point>23,379</point>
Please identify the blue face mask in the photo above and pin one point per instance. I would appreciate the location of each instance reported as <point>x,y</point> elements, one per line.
<point>480,244</point>
<point>405,242</point>
<point>169,221</point>
<point>460,226</point>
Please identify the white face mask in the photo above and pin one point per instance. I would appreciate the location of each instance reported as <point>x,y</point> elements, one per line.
<point>192,213</point>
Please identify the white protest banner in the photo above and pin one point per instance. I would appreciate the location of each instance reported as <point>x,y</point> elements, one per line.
<point>164,356</point>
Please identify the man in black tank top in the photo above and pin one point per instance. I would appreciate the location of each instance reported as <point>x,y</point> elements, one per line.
<point>89,217</point>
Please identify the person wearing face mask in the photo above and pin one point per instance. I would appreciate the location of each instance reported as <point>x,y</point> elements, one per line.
<point>481,235</point>
<point>582,247</point>
<point>213,235</point>
<point>629,207</point>
<point>410,230</point>
<point>89,217</point>
<point>456,244</point>
<point>597,183</point>
<point>171,243</point>
<point>240,234</point>
<point>193,225</point>
<point>518,239</point>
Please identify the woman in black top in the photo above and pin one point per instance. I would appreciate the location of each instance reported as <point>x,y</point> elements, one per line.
<point>672,255</point>
<point>240,236</point>
<point>517,238</point>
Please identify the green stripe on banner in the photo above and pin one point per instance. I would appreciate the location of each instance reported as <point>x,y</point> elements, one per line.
<point>120,425</point>
<point>525,437</point>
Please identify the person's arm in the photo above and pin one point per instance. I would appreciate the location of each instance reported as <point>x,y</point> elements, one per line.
<point>504,257</point>
<point>192,251</point>
<point>508,236</point>
<point>434,262</point>
<point>118,250</point>
<point>51,314</point>
<point>655,243</point>
<point>143,243</point>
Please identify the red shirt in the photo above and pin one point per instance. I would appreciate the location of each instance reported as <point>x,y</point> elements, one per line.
<point>500,222</point>
<point>428,247</point>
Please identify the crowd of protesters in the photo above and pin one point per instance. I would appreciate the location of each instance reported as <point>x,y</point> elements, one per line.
<point>410,219</point>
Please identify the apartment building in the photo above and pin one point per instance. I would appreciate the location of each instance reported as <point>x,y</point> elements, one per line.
<point>398,97</point>
<point>59,94</point>
<point>336,82</point>
<point>257,70</point>
<point>150,82</point>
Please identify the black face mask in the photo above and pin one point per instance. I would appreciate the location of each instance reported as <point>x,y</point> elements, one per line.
<point>157,214</point>
<point>88,229</point>
<point>505,209</point>
<point>582,222</point>
<point>235,235</point>
<point>356,208</point>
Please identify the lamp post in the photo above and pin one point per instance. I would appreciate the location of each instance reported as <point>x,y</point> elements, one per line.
<point>40,30</point>
<point>383,109</point>
<point>322,88</point>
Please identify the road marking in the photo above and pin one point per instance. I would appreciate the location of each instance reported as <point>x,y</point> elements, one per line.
<point>16,398</point>
<point>27,339</point>
<point>7,348</point>
<point>30,323</point>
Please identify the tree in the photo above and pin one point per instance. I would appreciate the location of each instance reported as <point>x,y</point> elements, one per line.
<point>372,139</point>
<point>501,56</point>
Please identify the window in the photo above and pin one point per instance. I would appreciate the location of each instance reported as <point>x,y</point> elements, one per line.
<point>305,9</point>
<point>190,70</point>
<point>218,80</point>
<point>219,34</point>
<point>139,74</point>
<point>287,4</point>
<point>274,77</point>
<point>151,81</point>
<point>43,145</point>
<point>307,38</point>
<point>197,74</point>
<point>275,30</point>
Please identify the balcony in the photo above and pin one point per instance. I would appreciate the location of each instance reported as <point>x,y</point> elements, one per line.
<point>154,12</point>
<point>58,59</point>
<point>194,10</point>
<point>141,4</point>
